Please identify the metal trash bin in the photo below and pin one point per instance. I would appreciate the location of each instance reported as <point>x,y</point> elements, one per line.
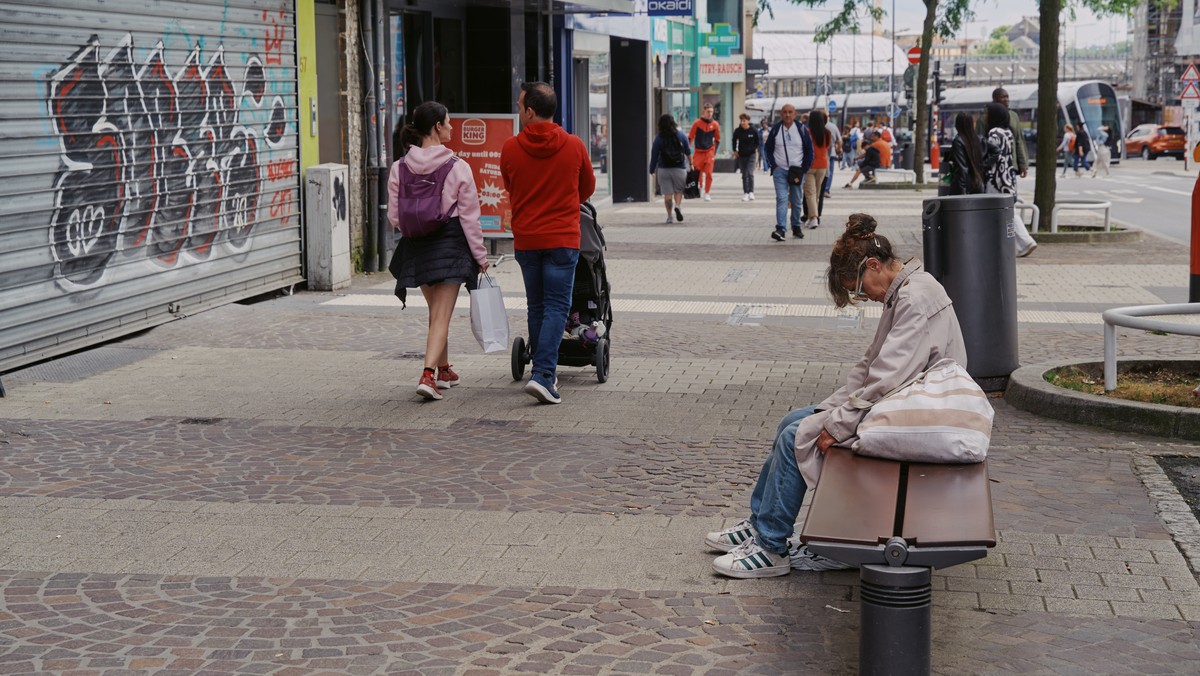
<point>906,156</point>
<point>968,247</point>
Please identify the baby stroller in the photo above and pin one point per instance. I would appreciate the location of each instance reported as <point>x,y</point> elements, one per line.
<point>586,340</point>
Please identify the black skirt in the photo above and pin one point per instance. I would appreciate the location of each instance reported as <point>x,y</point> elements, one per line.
<point>443,257</point>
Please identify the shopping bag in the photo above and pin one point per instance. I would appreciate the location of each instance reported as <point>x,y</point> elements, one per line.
<point>940,416</point>
<point>489,322</point>
<point>691,187</point>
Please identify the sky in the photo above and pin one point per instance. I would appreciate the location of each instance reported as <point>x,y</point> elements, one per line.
<point>1086,30</point>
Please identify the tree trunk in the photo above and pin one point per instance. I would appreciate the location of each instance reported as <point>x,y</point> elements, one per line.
<point>922,88</point>
<point>1050,13</point>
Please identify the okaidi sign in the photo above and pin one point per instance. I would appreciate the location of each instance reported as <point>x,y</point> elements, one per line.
<point>723,68</point>
<point>671,7</point>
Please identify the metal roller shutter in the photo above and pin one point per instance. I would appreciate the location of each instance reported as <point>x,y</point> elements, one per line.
<point>149,165</point>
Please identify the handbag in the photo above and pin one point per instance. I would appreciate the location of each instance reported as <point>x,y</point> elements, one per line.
<point>489,321</point>
<point>795,176</point>
<point>691,186</point>
<point>941,416</point>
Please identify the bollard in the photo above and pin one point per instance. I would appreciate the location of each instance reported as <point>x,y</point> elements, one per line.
<point>895,637</point>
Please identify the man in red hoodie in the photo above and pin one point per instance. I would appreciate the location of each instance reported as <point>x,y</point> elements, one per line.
<point>548,174</point>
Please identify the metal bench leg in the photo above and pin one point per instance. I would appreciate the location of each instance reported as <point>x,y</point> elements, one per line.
<point>895,637</point>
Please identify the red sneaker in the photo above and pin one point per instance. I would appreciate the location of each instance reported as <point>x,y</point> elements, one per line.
<point>446,377</point>
<point>428,387</point>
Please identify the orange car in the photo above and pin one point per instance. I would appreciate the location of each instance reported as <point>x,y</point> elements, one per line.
<point>1152,140</point>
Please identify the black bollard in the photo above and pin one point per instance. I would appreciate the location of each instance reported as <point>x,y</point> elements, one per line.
<point>895,637</point>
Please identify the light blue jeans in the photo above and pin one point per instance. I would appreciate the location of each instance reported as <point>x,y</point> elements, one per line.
<point>549,279</point>
<point>784,193</point>
<point>775,502</point>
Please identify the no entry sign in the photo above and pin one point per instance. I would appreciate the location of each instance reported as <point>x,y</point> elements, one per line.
<point>914,55</point>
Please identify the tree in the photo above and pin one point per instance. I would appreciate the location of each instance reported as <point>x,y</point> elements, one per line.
<point>997,45</point>
<point>1049,19</point>
<point>941,16</point>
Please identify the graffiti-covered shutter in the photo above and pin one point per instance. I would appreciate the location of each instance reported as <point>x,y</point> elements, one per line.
<point>148,165</point>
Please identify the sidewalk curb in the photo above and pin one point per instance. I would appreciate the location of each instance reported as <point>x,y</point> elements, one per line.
<point>1029,391</point>
<point>1095,236</point>
<point>1174,512</point>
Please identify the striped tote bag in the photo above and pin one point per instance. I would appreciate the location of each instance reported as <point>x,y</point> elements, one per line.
<point>940,416</point>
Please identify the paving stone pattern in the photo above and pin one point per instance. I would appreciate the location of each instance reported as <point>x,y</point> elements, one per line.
<point>260,491</point>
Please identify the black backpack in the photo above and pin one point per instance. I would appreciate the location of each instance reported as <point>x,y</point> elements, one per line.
<point>672,151</point>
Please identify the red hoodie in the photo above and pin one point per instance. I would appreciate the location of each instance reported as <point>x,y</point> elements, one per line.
<point>548,174</point>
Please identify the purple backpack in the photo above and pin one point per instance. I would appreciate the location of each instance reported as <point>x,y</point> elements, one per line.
<point>418,205</point>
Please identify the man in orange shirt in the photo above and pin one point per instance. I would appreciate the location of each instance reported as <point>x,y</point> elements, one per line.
<point>705,136</point>
<point>878,153</point>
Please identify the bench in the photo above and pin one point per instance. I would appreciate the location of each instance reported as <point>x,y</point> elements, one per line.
<point>908,174</point>
<point>898,521</point>
<point>1079,205</point>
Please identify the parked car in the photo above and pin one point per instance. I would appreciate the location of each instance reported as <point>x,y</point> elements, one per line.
<point>1152,140</point>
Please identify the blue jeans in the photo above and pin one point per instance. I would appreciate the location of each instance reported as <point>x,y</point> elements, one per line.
<point>829,176</point>
<point>775,502</point>
<point>784,193</point>
<point>549,278</point>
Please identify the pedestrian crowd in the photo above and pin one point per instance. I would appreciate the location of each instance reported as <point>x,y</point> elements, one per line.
<point>434,204</point>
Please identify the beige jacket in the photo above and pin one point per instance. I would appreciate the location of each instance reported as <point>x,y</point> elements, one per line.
<point>918,328</point>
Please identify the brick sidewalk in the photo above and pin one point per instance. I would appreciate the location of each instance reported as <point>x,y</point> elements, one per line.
<point>257,489</point>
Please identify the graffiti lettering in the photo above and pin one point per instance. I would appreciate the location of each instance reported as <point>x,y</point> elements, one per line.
<point>281,205</point>
<point>274,34</point>
<point>281,169</point>
<point>155,162</point>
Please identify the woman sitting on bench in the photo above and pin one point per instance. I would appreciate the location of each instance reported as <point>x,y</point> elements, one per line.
<point>917,329</point>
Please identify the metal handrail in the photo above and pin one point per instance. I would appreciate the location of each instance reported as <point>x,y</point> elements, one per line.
<point>1133,317</point>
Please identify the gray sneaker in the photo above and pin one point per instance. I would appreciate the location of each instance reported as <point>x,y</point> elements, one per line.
<point>803,559</point>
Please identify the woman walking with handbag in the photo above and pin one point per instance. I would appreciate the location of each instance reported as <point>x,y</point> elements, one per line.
<point>917,330</point>
<point>669,164</point>
<point>441,244</point>
<point>1000,170</point>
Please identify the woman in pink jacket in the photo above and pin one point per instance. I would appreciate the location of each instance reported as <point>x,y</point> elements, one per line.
<point>441,262</point>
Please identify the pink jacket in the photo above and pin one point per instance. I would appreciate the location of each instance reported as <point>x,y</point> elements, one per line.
<point>459,187</point>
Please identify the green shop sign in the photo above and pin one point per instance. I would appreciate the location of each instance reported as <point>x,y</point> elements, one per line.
<point>723,40</point>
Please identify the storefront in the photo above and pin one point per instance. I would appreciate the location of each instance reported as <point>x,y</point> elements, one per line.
<point>152,164</point>
<point>722,69</point>
<point>674,69</point>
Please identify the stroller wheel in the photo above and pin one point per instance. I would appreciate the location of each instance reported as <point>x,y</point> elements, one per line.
<point>518,358</point>
<point>602,360</point>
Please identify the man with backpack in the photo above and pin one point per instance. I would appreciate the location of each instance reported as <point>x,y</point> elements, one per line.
<point>548,174</point>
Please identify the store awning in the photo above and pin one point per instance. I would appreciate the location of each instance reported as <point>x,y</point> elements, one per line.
<point>593,7</point>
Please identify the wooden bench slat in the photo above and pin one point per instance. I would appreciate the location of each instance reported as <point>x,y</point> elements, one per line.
<point>855,501</point>
<point>943,507</point>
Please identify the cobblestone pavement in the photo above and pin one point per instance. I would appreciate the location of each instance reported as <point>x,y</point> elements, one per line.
<point>256,489</point>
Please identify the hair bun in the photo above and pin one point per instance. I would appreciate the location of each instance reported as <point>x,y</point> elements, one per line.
<point>860,226</point>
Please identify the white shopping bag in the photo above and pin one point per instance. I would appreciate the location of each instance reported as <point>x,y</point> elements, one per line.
<point>489,322</point>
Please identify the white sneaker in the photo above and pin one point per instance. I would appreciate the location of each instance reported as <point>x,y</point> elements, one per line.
<point>746,197</point>
<point>707,197</point>
<point>669,219</point>
<point>803,559</point>
<point>748,560</point>
<point>751,197</point>
<point>725,540</point>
